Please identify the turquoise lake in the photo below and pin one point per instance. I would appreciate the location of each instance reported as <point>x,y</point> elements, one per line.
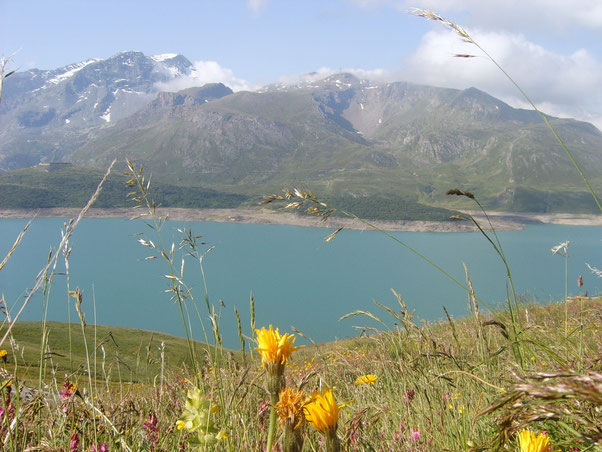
<point>295,276</point>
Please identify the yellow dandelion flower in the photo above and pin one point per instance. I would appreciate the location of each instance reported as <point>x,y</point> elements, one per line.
<point>290,407</point>
<point>368,379</point>
<point>322,411</point>
<point>3,353</point>
<point>273,347</point>
<point>530,442</point>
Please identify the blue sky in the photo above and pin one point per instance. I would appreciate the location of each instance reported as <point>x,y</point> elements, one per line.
<point>553,48</point>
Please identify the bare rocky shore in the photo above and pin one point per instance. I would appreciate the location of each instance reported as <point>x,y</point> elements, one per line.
<point>500,220</point>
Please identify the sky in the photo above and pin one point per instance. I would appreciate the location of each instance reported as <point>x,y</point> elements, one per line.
<point>552,48</point>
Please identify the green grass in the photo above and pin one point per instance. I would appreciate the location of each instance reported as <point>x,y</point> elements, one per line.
<point>131,355</point>
<point>436,378</point>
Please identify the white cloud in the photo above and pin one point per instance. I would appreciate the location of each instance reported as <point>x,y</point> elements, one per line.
<point>513,14</point>
<point>509,14</point>
<point>256,5</point>
<point>323,72</point>
<point>567,85</point>
<point>206,72</point>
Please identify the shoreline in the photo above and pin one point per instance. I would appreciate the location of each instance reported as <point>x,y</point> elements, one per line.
<point>503,221</point>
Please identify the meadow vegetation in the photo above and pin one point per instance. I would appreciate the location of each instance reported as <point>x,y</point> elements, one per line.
<point>449,385</point>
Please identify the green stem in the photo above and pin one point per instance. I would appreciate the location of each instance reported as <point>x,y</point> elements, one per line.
<point>332,442</point>
<point>272,427</point>
<point>566,293</point>
<point>497,246</point>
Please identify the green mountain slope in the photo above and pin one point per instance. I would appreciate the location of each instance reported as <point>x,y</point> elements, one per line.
<point>347,137</point>
<point>338,137</point>
<point>70,186</point>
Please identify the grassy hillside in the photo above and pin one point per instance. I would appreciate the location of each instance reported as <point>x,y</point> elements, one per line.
<point>72,186</point>
<point>130,355</point>
<point>390,208</point>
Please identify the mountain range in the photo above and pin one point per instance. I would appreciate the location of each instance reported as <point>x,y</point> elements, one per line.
<point>338,136</point>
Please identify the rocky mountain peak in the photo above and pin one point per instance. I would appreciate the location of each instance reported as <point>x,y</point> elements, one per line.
<point>89,93</point>
<point>342,80</point>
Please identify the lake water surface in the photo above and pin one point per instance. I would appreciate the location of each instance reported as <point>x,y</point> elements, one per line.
<point>296,278</point>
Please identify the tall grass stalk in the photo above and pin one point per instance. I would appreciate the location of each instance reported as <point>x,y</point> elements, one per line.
<point>78,296</point>
<point>497,246</point>
<point>45,302</point>
<point>463,34</point>
<point>562,249</point>
<point>181,292</point>
<point>141,197</point>
<point>66,255</point>
<point>3,74</point>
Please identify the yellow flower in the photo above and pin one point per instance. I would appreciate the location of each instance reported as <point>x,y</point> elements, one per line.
<point>197,412</point>
<point>322,411</point>
<point>3,353</point>
<point>273,347</point>
<point>290,407</point>
<point>368,379</point>
<point>530,442</point>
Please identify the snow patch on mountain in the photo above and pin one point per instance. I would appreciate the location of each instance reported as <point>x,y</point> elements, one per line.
<point>163,57</point>
<point>72,69</point>
<point>107,115</point>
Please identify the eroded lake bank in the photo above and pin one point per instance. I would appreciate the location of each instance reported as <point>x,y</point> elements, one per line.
<point>501,220</point>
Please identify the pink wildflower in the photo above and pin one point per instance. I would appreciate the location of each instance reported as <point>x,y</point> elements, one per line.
<point>152,432</point>
<point>69,389</point>
<point>74,444</point>
<point>415,435</point>
<point>102,448</point>
<point>262,412</point>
